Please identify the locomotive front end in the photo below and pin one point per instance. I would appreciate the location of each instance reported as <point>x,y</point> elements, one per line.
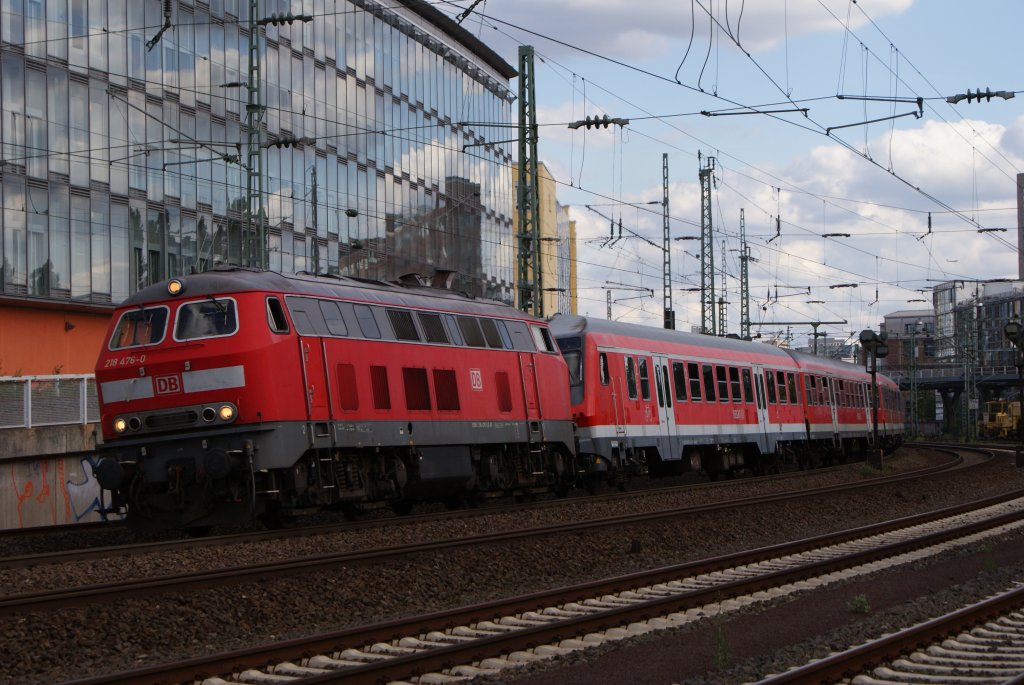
<point>178,446</point>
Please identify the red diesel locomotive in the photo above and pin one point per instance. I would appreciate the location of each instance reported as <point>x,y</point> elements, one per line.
<point>670,402</point>
<point>237,392</point>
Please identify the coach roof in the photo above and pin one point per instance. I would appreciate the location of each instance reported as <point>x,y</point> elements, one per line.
<point>565,325</point>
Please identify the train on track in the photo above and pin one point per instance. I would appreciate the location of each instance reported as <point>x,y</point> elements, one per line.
<point>236,393</point>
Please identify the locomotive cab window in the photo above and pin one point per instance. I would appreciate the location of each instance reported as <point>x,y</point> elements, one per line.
<point>211,318</point>
<point>542,337</point>
<point>275,316</point>
<point>138,327</point>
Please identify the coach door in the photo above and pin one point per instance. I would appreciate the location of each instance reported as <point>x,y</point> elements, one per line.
<point>833,395</point>
<point>531,396</point>
<point>761,402</point>
<point>314,376</point>
<point>668,435</point>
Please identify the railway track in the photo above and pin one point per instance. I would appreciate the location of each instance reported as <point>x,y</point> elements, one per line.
<point>980,643</point>
<point>489,637</point>
<point>181,582</point>
<point>103,551</point>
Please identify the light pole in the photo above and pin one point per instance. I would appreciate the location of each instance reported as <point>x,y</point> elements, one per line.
<point>913,378</point>
<point>1014,332</point>
<point>875,347</point>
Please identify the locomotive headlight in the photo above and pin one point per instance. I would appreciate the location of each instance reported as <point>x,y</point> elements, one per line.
<point>120,425</point>
<point>226,412</point>
<point>175,287</point>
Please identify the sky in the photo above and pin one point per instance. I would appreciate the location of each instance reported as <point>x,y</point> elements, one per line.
<point>813,170</point>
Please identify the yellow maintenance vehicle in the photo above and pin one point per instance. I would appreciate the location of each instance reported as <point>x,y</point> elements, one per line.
<point>999,420</point>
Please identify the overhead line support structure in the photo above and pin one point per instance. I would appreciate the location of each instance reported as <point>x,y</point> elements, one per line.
<point>666,262</point>
<point>528,284</point>
<point>707,251</point>
<point>254,224</point>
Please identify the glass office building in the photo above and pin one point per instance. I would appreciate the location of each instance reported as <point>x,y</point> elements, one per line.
<point>124,148</point>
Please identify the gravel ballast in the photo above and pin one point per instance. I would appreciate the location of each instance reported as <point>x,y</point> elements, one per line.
<point>49,647</point>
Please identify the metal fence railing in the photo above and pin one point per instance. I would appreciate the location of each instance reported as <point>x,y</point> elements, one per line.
<point>30,401</point>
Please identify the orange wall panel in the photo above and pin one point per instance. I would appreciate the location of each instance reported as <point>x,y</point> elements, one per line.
<point>35,342</point>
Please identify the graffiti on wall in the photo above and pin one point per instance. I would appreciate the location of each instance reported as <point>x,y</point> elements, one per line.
<point>49,491</point>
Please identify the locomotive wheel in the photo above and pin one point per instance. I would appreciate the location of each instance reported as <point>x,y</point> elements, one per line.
<point>402,507</point>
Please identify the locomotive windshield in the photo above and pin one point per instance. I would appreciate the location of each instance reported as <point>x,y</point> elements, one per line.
<point>138,327</point>
<point>205,319</point>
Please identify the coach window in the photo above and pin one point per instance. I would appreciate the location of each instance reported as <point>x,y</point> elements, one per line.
<point>542,337</point>
<point>748,390</point>
<point>603,363</point>
<point>791,384</point>
<point>453,329</point>
<point>332,317</point>
<point>826,387</point>
<point>402,323</point>
<point>723,384</point>
<point>491,333</point>
<point>367,324</point>
<point>679,376</point>
<point>506,339</point>
<point>471,331</point>
<point>645,381</point>
<point>780,377</point>
<point>275,316</point>
<point>658,387</point>
<point>693,374</point>
<point>734,384</point>
<point>840,394</point>
<point>668,386</point>
<point>769,383</point>
<point>708,372</point>
<point>812,390</point>
<point>432,327</point>
<point>631,377</point>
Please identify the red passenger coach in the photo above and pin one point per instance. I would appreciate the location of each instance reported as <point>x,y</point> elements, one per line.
<point>236,392</point>
<point>670,401</point>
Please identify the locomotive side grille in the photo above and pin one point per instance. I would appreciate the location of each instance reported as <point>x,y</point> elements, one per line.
<point>181,418</point>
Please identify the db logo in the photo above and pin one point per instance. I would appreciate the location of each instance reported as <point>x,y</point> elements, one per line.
<point>167,385</point>
<point>476,379</point>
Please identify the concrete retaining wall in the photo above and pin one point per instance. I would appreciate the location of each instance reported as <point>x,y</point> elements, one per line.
<point>46,476</point>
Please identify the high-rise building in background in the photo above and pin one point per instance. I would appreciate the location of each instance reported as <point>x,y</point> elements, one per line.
<point>123,153</point>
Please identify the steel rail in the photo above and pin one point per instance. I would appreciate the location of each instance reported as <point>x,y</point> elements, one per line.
<point>403,667</point>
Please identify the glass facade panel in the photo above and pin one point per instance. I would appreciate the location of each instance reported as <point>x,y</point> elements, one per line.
<point>125,165</point>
